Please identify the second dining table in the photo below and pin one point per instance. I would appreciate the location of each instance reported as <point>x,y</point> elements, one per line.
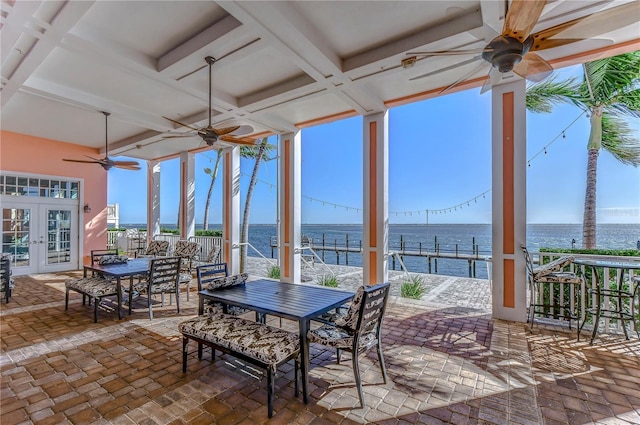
<point>292,301</point>
<point>132,268</point>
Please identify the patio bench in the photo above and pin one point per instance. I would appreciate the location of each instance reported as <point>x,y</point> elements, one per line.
<point>261,345</point>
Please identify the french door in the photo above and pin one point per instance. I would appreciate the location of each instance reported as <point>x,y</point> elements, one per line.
<point>41,237</point>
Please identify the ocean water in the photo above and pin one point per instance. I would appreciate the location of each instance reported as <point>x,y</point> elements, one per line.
<point>465,238</point>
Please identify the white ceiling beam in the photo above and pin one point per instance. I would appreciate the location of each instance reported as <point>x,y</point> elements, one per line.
<point>68,16</point>
<point>464,23</point>
<point>220,32</point>
<point>81,99</point>
<point>17,17</point>
<point>282,26</point>
<point>144,68</point>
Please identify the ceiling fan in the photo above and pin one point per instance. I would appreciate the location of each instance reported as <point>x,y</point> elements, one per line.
<point>106,162</point>
<point>211,135</point>
<point>514,49</point>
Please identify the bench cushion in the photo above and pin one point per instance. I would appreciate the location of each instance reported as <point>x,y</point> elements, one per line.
<point>92,286</point>
<point>264,343</point>
<point>227,281</point>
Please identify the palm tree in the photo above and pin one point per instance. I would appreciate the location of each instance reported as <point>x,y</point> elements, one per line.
<point>213,174</point>
<point>258,153</point>
<point>609,92</point>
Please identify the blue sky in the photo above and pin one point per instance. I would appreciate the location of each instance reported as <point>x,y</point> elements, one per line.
<point>439,158</point>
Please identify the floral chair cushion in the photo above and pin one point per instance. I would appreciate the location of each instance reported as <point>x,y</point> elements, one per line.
<point>350,319</point>
<point>93,286</point>
<point>157,248</point>
<point>212,256</point>
<point>262,342</point>
<point>554,266</point>
<point>186,249</point>
<point>337,337</point>
<point>112,259</point>
<point>225,282</point>
<point>560,277</point>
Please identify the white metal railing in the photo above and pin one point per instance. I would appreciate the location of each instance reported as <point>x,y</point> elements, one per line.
<point>207,243</point>
<point>587,293</point>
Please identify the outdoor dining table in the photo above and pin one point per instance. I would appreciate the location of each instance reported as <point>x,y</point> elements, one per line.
<point>617,294</point>
<point>132,268</point>
<point>292,301</point>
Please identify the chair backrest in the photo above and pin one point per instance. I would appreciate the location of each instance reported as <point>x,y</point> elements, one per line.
<point>97,254</point>
<point>367,309</point>
<point>164,270</point>
<point>186,249</point>
<point>212,256</point>
<point>210,272</point>
<point>536,272</point>
<point>528,260</point>
<point>372,308</point>
<point>157,248</point>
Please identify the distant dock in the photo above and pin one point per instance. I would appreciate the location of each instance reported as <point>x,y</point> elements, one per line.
<point>342,249</point>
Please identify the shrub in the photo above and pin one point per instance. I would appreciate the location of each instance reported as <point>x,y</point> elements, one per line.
<point>274,272</point>
<point>328,280</point>
<point>217,233</point>
<point>413,287</point>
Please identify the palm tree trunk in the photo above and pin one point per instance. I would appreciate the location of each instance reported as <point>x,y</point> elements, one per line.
<point>589,218</point>
<point>214,175</point>
<point>244,233</point>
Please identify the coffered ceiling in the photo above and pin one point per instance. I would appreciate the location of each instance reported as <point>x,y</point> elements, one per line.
<point>280,65</point>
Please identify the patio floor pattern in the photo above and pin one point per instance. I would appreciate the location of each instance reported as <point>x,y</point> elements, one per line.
<point>447,364</point>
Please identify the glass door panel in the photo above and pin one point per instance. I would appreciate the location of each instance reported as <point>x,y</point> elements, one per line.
<point>58,236</point>
<point>58,244</point>
<point>17,238</point>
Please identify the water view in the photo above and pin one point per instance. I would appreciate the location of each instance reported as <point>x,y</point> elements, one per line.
<point>463,238</point>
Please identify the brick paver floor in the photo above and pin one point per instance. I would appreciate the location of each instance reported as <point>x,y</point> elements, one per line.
<point>446,364</point>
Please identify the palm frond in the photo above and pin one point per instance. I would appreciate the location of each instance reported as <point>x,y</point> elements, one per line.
<point>620,140</point>
<point>626,104</point>
<point>543,96</point>
<point>606,80</point>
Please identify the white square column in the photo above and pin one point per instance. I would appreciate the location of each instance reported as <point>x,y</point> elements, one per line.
<point>375,219</point>
<point>187,217</point>
<point>509,200</point>
<point>231,209</point>
<point>290,191</point>
<point>153,199</point>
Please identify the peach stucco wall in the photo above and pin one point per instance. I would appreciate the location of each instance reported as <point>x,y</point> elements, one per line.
<point>34,155</point>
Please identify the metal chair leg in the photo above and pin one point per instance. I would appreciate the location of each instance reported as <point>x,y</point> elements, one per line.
<point>356,373</point>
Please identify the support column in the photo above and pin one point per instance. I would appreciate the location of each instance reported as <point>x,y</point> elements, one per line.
<point>153,199</point>
<point>231,209</point>
<point>289,178</point>
<point>375,198</point>
<point>509,200</point>
<point>187,196</point>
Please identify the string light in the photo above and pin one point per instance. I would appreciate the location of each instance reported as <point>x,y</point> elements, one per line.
<point>449,209</point>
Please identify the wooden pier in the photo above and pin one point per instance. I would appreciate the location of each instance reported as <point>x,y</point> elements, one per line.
<point>432,255</point>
